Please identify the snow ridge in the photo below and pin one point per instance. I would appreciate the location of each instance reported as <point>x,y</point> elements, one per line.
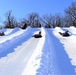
<point>34,61</point>
<point>69,44</point>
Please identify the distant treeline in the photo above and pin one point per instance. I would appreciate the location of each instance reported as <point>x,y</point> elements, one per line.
<point>47,21</point>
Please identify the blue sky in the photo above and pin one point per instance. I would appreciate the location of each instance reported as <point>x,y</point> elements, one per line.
<point>20,8</point>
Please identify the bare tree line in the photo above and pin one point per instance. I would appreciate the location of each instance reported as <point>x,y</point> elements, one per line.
<point>48,21</point>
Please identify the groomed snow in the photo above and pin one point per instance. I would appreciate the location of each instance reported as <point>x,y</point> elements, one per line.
<point>12,35</point>
<point>34,62</point>
<point>22,54</point>
<point>69,43</point>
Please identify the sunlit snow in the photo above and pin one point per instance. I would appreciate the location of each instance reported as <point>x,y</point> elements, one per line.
<point>53,54</point>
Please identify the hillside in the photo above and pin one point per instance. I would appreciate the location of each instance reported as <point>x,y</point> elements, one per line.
<point>22,54</point>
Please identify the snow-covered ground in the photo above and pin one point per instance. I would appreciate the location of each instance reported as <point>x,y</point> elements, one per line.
<point>22,54</point>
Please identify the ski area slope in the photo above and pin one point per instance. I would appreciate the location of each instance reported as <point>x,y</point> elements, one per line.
<point>8,45</point>
<point>52,54</point>
<point>15,62</point>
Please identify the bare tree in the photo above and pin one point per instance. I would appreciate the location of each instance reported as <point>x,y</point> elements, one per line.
<point>34,20</point>
<point>10,20</point>
<point>71,14</point>
<point>47,21</point>
<point>24,23</point>
<point>58,20</point>
<point>51,21</point>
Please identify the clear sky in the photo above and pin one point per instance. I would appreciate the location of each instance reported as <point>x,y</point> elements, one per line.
<point>20,8</point>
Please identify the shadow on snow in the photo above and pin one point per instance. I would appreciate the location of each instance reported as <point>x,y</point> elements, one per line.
<point>9,46</point>
<point>55,60</point>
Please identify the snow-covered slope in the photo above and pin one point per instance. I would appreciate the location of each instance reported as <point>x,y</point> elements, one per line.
<point>8,43</point>
<point>22,54</point>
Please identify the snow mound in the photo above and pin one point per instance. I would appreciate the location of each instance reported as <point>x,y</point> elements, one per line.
<point>12,31</point>
<point>10,37</point>
<point>72,30</point>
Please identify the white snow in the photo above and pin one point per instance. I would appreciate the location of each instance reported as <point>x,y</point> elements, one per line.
<point>16,61</point>
<point>34,61</point>
<point>69,44</point>
<point>72,30</point>
<point>16,32</point>
<point>22,54</point>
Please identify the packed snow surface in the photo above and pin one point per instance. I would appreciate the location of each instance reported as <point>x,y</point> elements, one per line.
<point>53,54</point>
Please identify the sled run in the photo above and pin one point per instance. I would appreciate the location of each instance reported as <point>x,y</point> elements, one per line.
<point>52,54</point>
